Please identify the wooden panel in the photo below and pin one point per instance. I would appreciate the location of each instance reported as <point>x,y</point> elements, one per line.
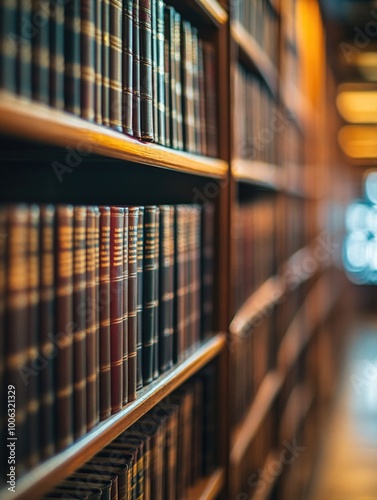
<point>212,10</point>
<point>61,465</point>
<point>207,488</point>
<point>32,121</point>
<point>259,173</point>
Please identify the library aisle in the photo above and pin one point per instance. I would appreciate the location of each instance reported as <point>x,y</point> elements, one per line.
<point>346,467</point>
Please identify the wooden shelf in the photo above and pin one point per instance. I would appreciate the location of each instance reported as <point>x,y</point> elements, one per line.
<point>212,10</point>
<point>36,122</point>
<point>207,488</point>
<point>298,105</point>
<point>297,408</point>
<point>265,296</point>
<point>264,493</point>
<point>255,56</point>
<point>49,473</point>
<point>259,173</point>
<point>245,432</point>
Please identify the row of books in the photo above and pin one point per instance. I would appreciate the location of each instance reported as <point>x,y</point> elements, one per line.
<point>251,355</point>
<point>259,18</point>
<point>98,302</point>
<point>258,119</point>
<point>254,246</point>
<point>135,66</point>
<point>160,456</point>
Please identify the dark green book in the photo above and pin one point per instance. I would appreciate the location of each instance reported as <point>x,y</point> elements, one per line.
<point>116,64</point>
<point>106,62</point>
<point>72,56</point>
<point>9,43</point>
<point>57,63</point>
<point>167,73</point>
<point>41,52</point>
<point>87,59</point>
<point>26,31</point>
<point>146,90</point>
<point>136,109</point>
<point>154,70</point>
<point>127,71</point>
<point>161,92</point>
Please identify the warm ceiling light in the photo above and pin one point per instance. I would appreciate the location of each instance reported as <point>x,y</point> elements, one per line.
<point>367,64</point>
<point>358,106</point>
<point>358,141</point>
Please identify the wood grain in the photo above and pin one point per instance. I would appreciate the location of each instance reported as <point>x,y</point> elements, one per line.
<point>207,488</point>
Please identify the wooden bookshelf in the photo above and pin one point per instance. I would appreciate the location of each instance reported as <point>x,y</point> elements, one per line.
<point>258,173</point>
<point>264,493</point>
<point>244,433</point>
<point>44,476</point>
<point>57,128</point>
<point>254,55</point>
<point>207,488</point>
<point>296,411</point>
<point>211,9</point>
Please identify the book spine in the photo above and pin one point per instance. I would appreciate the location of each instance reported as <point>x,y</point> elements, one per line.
<point>127,78</point>
<point>189,228</point>
<point>98,62</point>
<point>79,320</point>
<point>140,265</point>
<point>3,240</point>
<point>195,86</point>
<point>32,410</point>
<point>156,346</point>
<point>57,57</point>
<point>155,70</point>
<point>161,92</point>
<point>87,59</point>
<point>178,79</point>
<point>209,60</point>
<point>202,103</point>
<point>150,299</point>
<point>46,314</point>
<point>97,309</point>
<point>166,287</point>
<point>9,42</point>
<point>116,306</point>
<point>104,307</point>
<point>24,54</point>
<point>63,326</point>
<point>196,273</point>
<point>181,311</point>
<point>188,85</point>
<point>146,91</point>
<point>92,340</point>
<point>40,52</point>
<point>136,110</point>
<point>126,347</point>
<point>133,352</point>
<point>170,16</point>
<point>116,64</point>
<point>106,62</point>
<point>72,57</point>
<point>207,235</point>
<point>167,72</point>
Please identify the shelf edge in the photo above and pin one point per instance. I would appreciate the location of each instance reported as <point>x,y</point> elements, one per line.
<point>207,488</point>
<point>259,173</point>
<point>214,11</point>
<point>49,473</point>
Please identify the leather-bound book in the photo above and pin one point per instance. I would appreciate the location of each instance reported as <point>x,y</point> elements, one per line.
<point>87,59</point>
<point>207,269</point>
<point>136,109</point>
<point>72,57</point>
<point>154,69</point>
<point>135,447</point>
<point>8,24</point>
<point>63,325</point>
<point>93,471</point>
<point>167,73</point>
<point>116,306</point>
<point>126,347</point>
<point>47,346</point>
<point>98,62</point>
<point>79,320</point>
<point>92,333</point>
<point>195,73</point>
<point>161,90</point>
<point>202,102</point>
<point>171,72</point>
<point>146,90</point>
<point>120,464</point>
<point>209,60</point>
<point>180,280</point>
<point>127,67</point>
<point>195,269</point>
<point>188,87</point>
<point>70,492</point>
<point>116,64</point>
<point>57,63</point>
<point>132,301</point>
<point>106,62</point>
<point>41,53</point>
<point>144,437</point>
<point>140,265</point>
<point>177,54</point>
<point>104,311</point>
<point>83,485</point>
<point>24,49</point>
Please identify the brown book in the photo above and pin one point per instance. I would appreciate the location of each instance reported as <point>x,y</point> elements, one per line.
<point>195,73</point>
<point>79,321</point>
<point>188,87</point>
<point>166,79</point>
<point>92,333</point>
<point>104,311</point>
<point>87,59</point>
<point>209,64</point>
<point>136,110</point>
<point>177,55</point>
<point>140,266</point>
<point>115,36</point>
<point>132,301</point>
<point>47,347</point>
<point>98,62</point>
<point>57,63</point>
<point>146,89</point>
<point>94,472</point>
<point>127,65</point>
<point>202,101</point>
<point>72,57</point>
<point>106,62</point>
<point>63,325</point>
<point>116,306</point>
<point>83,486</point>
<point>126,347</point>
<point>207,269</point>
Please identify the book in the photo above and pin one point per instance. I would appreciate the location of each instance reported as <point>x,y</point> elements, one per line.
<point>188,87</point>
<point>104,311</point>
<point>136,104</point>
<point>209,65</point>
<point>150,297</point>
<point>72,57</point>
<point>146,89</point>
<point>171,72</point>
<point>98,62</point>
<point>207,260</point>
<point>127,65</point>
<point>160,63</point>
<point>166,287</point>
<point>57,64</point>
<point>63,325</point>
<point>79,320</point>
<point>88,44</point>
<point>40,52</point>
<point>154,61</point>
<point>10,41</point>
<point>134,351</point>
<point>128,347</point>
<point>115,76</point>
<point>116,306</point>
<point>105,62</point>
<point>27,31</point>
<point>140,266</point>
<point>177,90</point>
<point>167,76</point>
<point>47,347</point>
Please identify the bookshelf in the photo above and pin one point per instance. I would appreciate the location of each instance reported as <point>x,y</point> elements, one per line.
<point>270,309</point>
